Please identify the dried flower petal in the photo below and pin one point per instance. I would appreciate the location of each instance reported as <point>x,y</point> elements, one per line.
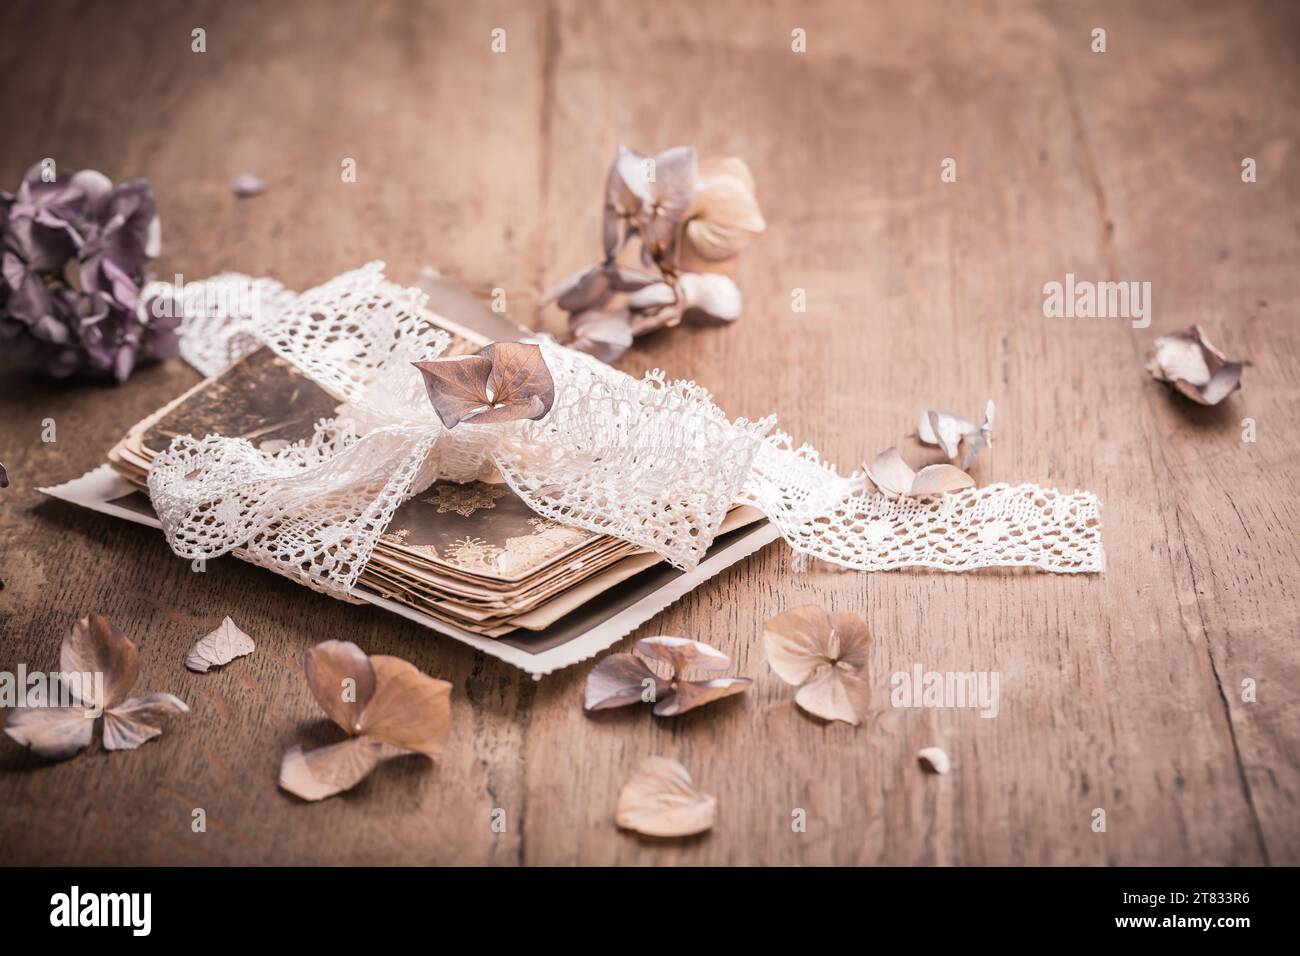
<point>389,706</point>
<point>342,680</point>
<point>622,679</point>
<point>892,476</point>
<point>135,721</point>
<point>834,693</point>
<point>715,296</point>
<point>76,250</point>
<point>1189,362</point>
<point>325,771</point>
<point>977,441</point>
<point>724,215</point>
<point>94,646</point>
<point>682,654</point>
<point>796,642</point>
<point>55,733</point>
<point>220,647</point>
<point>943,429</point>
<point>409,709</point>
<point>605,334</point>
<point>652,296</point>
<point>933,759</point>
<point>825,653</point>
<point>246,184</point>
<point>505,381</point>
<point>660,799</point>
<point>689,694</point>
<point>948,431</point>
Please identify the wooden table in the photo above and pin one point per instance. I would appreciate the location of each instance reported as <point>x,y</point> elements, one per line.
<point>1121,692</point>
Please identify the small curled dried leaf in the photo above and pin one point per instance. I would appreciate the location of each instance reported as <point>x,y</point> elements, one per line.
<point>933,759</point>
<point>1189,362</point>
<point>220,647</point>
<point>949,431</point>
<point>661,800</point>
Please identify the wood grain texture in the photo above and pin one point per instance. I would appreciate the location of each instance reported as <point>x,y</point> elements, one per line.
<point>1121,691</point>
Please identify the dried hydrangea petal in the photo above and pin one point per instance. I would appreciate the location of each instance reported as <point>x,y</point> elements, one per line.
<point>622,679</point>
<point>135,721</point>
<point>661,800</point>
<point>682,654</point>
<point>687,695</point>
<point>1189,362</point>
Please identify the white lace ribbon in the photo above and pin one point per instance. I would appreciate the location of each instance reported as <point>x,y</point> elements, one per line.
<point>652,461</point>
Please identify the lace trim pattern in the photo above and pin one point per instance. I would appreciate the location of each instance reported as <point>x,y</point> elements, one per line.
<point>652,461</point>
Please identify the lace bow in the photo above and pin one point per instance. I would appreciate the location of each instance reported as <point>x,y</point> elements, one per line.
<point>652,461</point>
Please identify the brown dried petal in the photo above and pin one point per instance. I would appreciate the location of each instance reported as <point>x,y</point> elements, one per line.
<point>939,480</point>
<point>409,709</point>
<point>797,642</point>
<point>325,771</point>
<point>933,759</point>
<point>714,295</point>
<point>682,655</point>
<point>977,441</point>
<point>850,641</point>
<point>688,695</point>
<point>342,680</point>
<point>519,378</point>
<point>891,474</point>
<point>827,654</point>
<point>673,188</point>
<point>651,296</point>
<point>135,721</point>
<point>457,387</point>
<point>585,289</point>
<point>218,648</point>
<point>55,733</point>
<point>943,429</point>
<point>606,335</point>
<point>835,693</point>
<point>626,192</point>
<point>659,799</point>
<point>724,215</point>
<point>1191,364</point>
<point>665,317</point>
<point>505,381</point>
<point>94,646</point>
<point>621,679</point>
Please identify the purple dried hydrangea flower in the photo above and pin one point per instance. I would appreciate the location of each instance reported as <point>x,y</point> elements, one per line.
<point>74,255</point>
